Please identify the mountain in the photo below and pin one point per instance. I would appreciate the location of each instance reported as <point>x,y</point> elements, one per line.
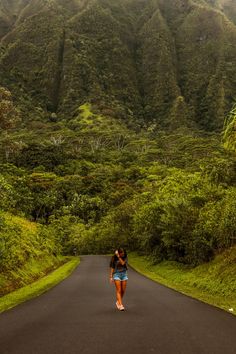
<point>145,60</point>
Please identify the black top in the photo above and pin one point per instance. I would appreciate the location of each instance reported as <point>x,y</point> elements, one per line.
<point>115,264</point>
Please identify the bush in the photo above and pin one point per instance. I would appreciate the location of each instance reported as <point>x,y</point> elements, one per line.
<point>21,240</point>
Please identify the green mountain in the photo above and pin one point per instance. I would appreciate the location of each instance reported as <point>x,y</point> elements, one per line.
<point>131,59</point>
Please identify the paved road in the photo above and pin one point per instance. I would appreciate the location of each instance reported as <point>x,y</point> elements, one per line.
<point>79,316</point>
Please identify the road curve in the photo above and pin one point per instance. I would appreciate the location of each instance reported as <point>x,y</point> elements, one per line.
<point>78,316</point>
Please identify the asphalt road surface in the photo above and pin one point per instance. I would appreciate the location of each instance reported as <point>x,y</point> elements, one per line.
<point>79,316</point>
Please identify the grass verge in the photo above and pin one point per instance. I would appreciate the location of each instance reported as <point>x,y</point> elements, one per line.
<point>213,282</point>
<point>38,287</point>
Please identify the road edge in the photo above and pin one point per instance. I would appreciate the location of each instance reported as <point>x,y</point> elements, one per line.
<point>38,287</point>
<point>187,291</point>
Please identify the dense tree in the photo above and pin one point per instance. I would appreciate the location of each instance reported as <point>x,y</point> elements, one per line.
<point>9,116</point>
<point>229,134</point>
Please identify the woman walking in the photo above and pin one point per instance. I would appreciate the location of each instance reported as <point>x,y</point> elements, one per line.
<point>118,274</point>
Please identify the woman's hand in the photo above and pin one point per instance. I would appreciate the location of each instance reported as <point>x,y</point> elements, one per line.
<point>111,280</point>
<point>117,253</point>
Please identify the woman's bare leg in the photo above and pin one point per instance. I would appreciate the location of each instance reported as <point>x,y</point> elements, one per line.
<point>123,287</point>
<point>118,291</point>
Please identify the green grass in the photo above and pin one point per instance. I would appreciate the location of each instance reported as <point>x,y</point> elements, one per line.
<point>213,282</point>
<point>32,270</point>
<point>38,287</point>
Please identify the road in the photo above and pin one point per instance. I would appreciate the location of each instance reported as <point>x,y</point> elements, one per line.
<point>79,316</point>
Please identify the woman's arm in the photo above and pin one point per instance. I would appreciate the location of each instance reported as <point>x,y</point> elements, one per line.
<point>111,274</point>
<point>122,262</point>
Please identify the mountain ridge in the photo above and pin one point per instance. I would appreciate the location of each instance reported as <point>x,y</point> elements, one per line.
<point>133,58</point>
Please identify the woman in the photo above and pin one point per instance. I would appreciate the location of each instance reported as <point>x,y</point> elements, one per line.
<point>118,274</point>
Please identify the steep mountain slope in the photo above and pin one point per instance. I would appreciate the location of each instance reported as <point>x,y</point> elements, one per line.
<point>9,10</point>
<point>13,12</point>
<point>98,61</point>
<point>228,7</point>
<point>29,61</point>
<point>129,58</point>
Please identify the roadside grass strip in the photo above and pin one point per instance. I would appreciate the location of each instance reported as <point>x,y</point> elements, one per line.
<point>38,287</point>
<point>213,283</point>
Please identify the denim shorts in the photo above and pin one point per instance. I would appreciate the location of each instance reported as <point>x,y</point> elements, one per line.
<point>120,275</point>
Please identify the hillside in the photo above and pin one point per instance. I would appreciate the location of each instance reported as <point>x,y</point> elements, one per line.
<point>25,253</point>
<point>132,59</point>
